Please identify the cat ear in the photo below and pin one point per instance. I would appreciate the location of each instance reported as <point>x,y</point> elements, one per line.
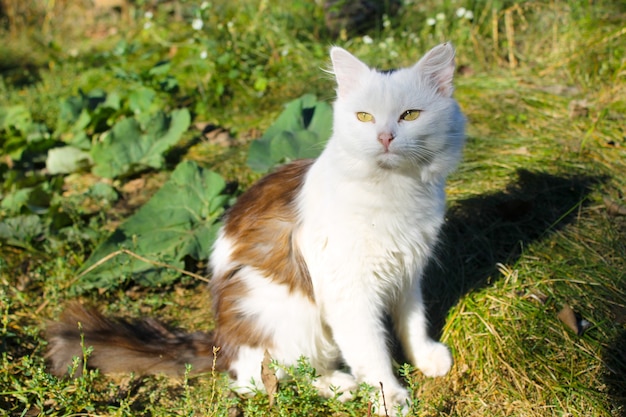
<point>438,66</point>
<point>347,69</point>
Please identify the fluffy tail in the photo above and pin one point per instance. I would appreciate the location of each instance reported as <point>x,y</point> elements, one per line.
<point>143,346</point>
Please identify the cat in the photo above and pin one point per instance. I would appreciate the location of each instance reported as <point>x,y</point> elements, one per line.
<point>313,257</point>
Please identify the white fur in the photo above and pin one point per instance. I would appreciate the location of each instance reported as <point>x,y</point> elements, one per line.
<point>296,329</point>
<point>221,256</point>
<point>370,219</point>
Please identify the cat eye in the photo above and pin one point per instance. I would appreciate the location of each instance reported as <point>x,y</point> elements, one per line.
<point>410,115</point>
<point>364,117</point>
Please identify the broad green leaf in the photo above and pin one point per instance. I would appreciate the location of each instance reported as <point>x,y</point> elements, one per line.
<point>103,191</point>
<point>284,147</point>
<point>17,117</point>
<point>66,159</point>
<point>29,199</point>
<point>21,230</point>
<point>309,144</point>
<point>300,131</point>
<point>180,220</point>
<point>141,99</point>
<point>321,121</point>
<point>13,202</point>
<point>70,110</point>
<point>127,148</point>
<point>19,134</point>
<point>92,111</point>
<point>160,68</point>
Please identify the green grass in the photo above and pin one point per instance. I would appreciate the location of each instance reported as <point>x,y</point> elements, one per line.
<point>527,230</point>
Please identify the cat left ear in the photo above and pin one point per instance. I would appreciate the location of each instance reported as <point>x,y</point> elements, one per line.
<point>347,69</point>
<point>438,66</point>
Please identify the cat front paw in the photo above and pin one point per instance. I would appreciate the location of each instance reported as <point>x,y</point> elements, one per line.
<point>338,384</point>
<point>434,359</point>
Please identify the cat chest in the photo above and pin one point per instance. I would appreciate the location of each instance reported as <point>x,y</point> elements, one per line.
<point>375,243</point>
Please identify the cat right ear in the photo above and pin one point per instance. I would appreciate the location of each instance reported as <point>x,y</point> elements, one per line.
<point>438,66</point>
<point>347,69</point>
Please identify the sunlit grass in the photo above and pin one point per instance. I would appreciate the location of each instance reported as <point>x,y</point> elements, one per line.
<point>528,230</point>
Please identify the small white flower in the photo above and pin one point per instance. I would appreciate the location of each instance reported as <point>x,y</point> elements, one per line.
<point>431,22</point>
<point>460,12</point>
<point>204,5</point>
<point>469,15</point>
<point>148,15</point>
<point>230,24</point>
<point>440,16</point>
<point>203,55</point>
<point>147,25</point>
<point>386,22</point>
<point>197,24</point>
<point>368,40</point>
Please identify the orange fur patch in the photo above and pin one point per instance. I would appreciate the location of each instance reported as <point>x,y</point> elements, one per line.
<point>261,225</point>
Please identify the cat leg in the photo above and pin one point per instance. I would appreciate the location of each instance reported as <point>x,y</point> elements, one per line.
<point>431,357</point>
<point>247,371</point>
<point>361,336</point>
<point>294,327</point>
<point>338,383</point>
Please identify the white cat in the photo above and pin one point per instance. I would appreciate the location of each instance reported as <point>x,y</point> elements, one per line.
<point>312,258</point>
<point>340,242</point>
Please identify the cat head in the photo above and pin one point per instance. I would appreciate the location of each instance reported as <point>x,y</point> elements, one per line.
<point>403,120</point>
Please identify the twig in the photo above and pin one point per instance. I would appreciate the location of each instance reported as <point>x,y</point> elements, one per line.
<point>382,394</point>
<point>42,306</point>
<point>212,401</point>
<point>141,258</point>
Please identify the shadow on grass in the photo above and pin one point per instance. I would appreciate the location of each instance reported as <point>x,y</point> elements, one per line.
<point>614,358</point>
<point>494,228</point>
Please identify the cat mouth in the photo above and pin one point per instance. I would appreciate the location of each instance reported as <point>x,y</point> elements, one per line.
<point>387,160</point>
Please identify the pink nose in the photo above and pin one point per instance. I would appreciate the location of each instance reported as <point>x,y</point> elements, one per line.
<point>385,138</point>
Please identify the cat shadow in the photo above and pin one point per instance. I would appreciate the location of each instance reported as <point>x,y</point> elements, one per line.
<point>614,358</point>
<point>488,229</point>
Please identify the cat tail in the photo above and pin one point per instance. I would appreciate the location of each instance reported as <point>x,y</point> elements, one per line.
<point>113,345</point>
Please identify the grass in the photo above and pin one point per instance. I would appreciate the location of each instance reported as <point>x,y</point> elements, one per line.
<point>527,231</point>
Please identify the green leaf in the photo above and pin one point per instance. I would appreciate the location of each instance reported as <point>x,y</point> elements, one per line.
<point>21,230</point>
<point>12,203</point>
<point>180,220</point>
<point>18,131</point>
<point>160,68</point>
<point>66,159</point>
<point>300,131</point>
<point>32,199</point>
<point>16,117</point>
<point>283,147</point>
<point>92,111</point>
<point>141,99</point>
<point>127,148</point>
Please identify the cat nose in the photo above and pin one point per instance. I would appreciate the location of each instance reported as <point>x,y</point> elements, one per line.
<point>385,138</point>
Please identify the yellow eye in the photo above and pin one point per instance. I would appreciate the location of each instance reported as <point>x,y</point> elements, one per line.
<point>410,115</point>
<point>364,117</point>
